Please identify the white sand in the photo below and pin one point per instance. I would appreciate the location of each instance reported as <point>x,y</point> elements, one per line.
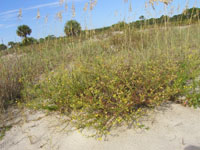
<point>173,128</point>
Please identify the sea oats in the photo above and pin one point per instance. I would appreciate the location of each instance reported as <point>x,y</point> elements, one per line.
<point>85,7</point>
<point>172,10</point>
<point>146,4</point>
<point>61,2</point>
<point>178,8</point>
<point>116,13</point>
<point>38,14</point>
<point>46,19</point>
<point>66,7</point>
<point>195,3</point>
<point>187,4</point>
<point>20,13</point>
<point>130,7</point>
<point>73,11</point>
<point>93,3</point>
<point>166,2</point>
<point>59,16</point>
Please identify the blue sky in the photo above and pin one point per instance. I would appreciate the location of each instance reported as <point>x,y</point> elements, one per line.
<point>105,13</point>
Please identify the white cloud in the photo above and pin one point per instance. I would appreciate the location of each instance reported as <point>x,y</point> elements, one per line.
<point>10,25</point>
<point>15,11</point>
<point>8,17</point>
<point>42,6</point>
<point>52,4</point>
<point>10,14</point>
<point>7,26</point>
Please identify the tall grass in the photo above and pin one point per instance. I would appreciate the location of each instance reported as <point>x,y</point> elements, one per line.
<point>105,79</point>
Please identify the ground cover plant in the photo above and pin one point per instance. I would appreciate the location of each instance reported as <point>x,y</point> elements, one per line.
<point>105,79</point>
<point>3,130</point>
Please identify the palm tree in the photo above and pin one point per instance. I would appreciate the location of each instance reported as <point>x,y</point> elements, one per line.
<point>23,31</point>
<point>72,28</point>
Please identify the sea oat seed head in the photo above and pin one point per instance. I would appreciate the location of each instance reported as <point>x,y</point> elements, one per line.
<point>73,11</point>
<point>61,2</point>
<point>66,7</point>
<point>38,14</point>
<point>46,19</point>
<point>130,7</point>
<point>20,13</point>
<point>59,16</point>
<point>85,7</point>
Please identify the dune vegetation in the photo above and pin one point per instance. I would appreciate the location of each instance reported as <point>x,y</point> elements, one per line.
<point>107,77</point>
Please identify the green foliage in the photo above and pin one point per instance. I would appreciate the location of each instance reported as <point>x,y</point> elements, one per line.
<point>41,40</point>
<point>189,16</point>
<point>28,41</point>
<point>50,37</point>
<point>104,94</point>
<point>12,44</point>
<point>142,17</point>
<point>103,29</point>
<point>72,28</point>
<point>3,47</point>
<point>23,31</point>
<point>3,131</point>
<point>120,25</point>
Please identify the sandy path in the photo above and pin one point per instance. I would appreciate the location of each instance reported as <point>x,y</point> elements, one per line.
<point>174,128</point>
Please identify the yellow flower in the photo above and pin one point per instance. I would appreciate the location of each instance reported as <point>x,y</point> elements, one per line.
<point>100,138</point>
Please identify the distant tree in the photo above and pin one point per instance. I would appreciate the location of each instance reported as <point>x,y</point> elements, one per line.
<point>3,47</point>
<point>23,31</point>
<point>41,40</point>
<point>50,37</point>
<point>191,13</point>
<point>28,41</point>
<point>142,17</point>
<point>120,25</point>
<point>12,44</point>
<point>164,17</point>
<point>72,28</point>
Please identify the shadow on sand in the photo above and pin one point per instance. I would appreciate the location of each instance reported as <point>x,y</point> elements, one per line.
<point>192,147</point>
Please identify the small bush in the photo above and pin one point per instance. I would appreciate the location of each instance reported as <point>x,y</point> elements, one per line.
<point>3,47</point>
<point>28,41</point>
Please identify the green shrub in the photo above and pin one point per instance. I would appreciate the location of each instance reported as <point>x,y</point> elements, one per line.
<point>28,41</point>
<point>107,92</point>
<point>3,47</point>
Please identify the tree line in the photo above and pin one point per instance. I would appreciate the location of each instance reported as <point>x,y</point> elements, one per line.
<point>72,28</point>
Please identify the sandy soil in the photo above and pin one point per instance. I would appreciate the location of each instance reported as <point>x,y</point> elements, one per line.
<point>171,127</point>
